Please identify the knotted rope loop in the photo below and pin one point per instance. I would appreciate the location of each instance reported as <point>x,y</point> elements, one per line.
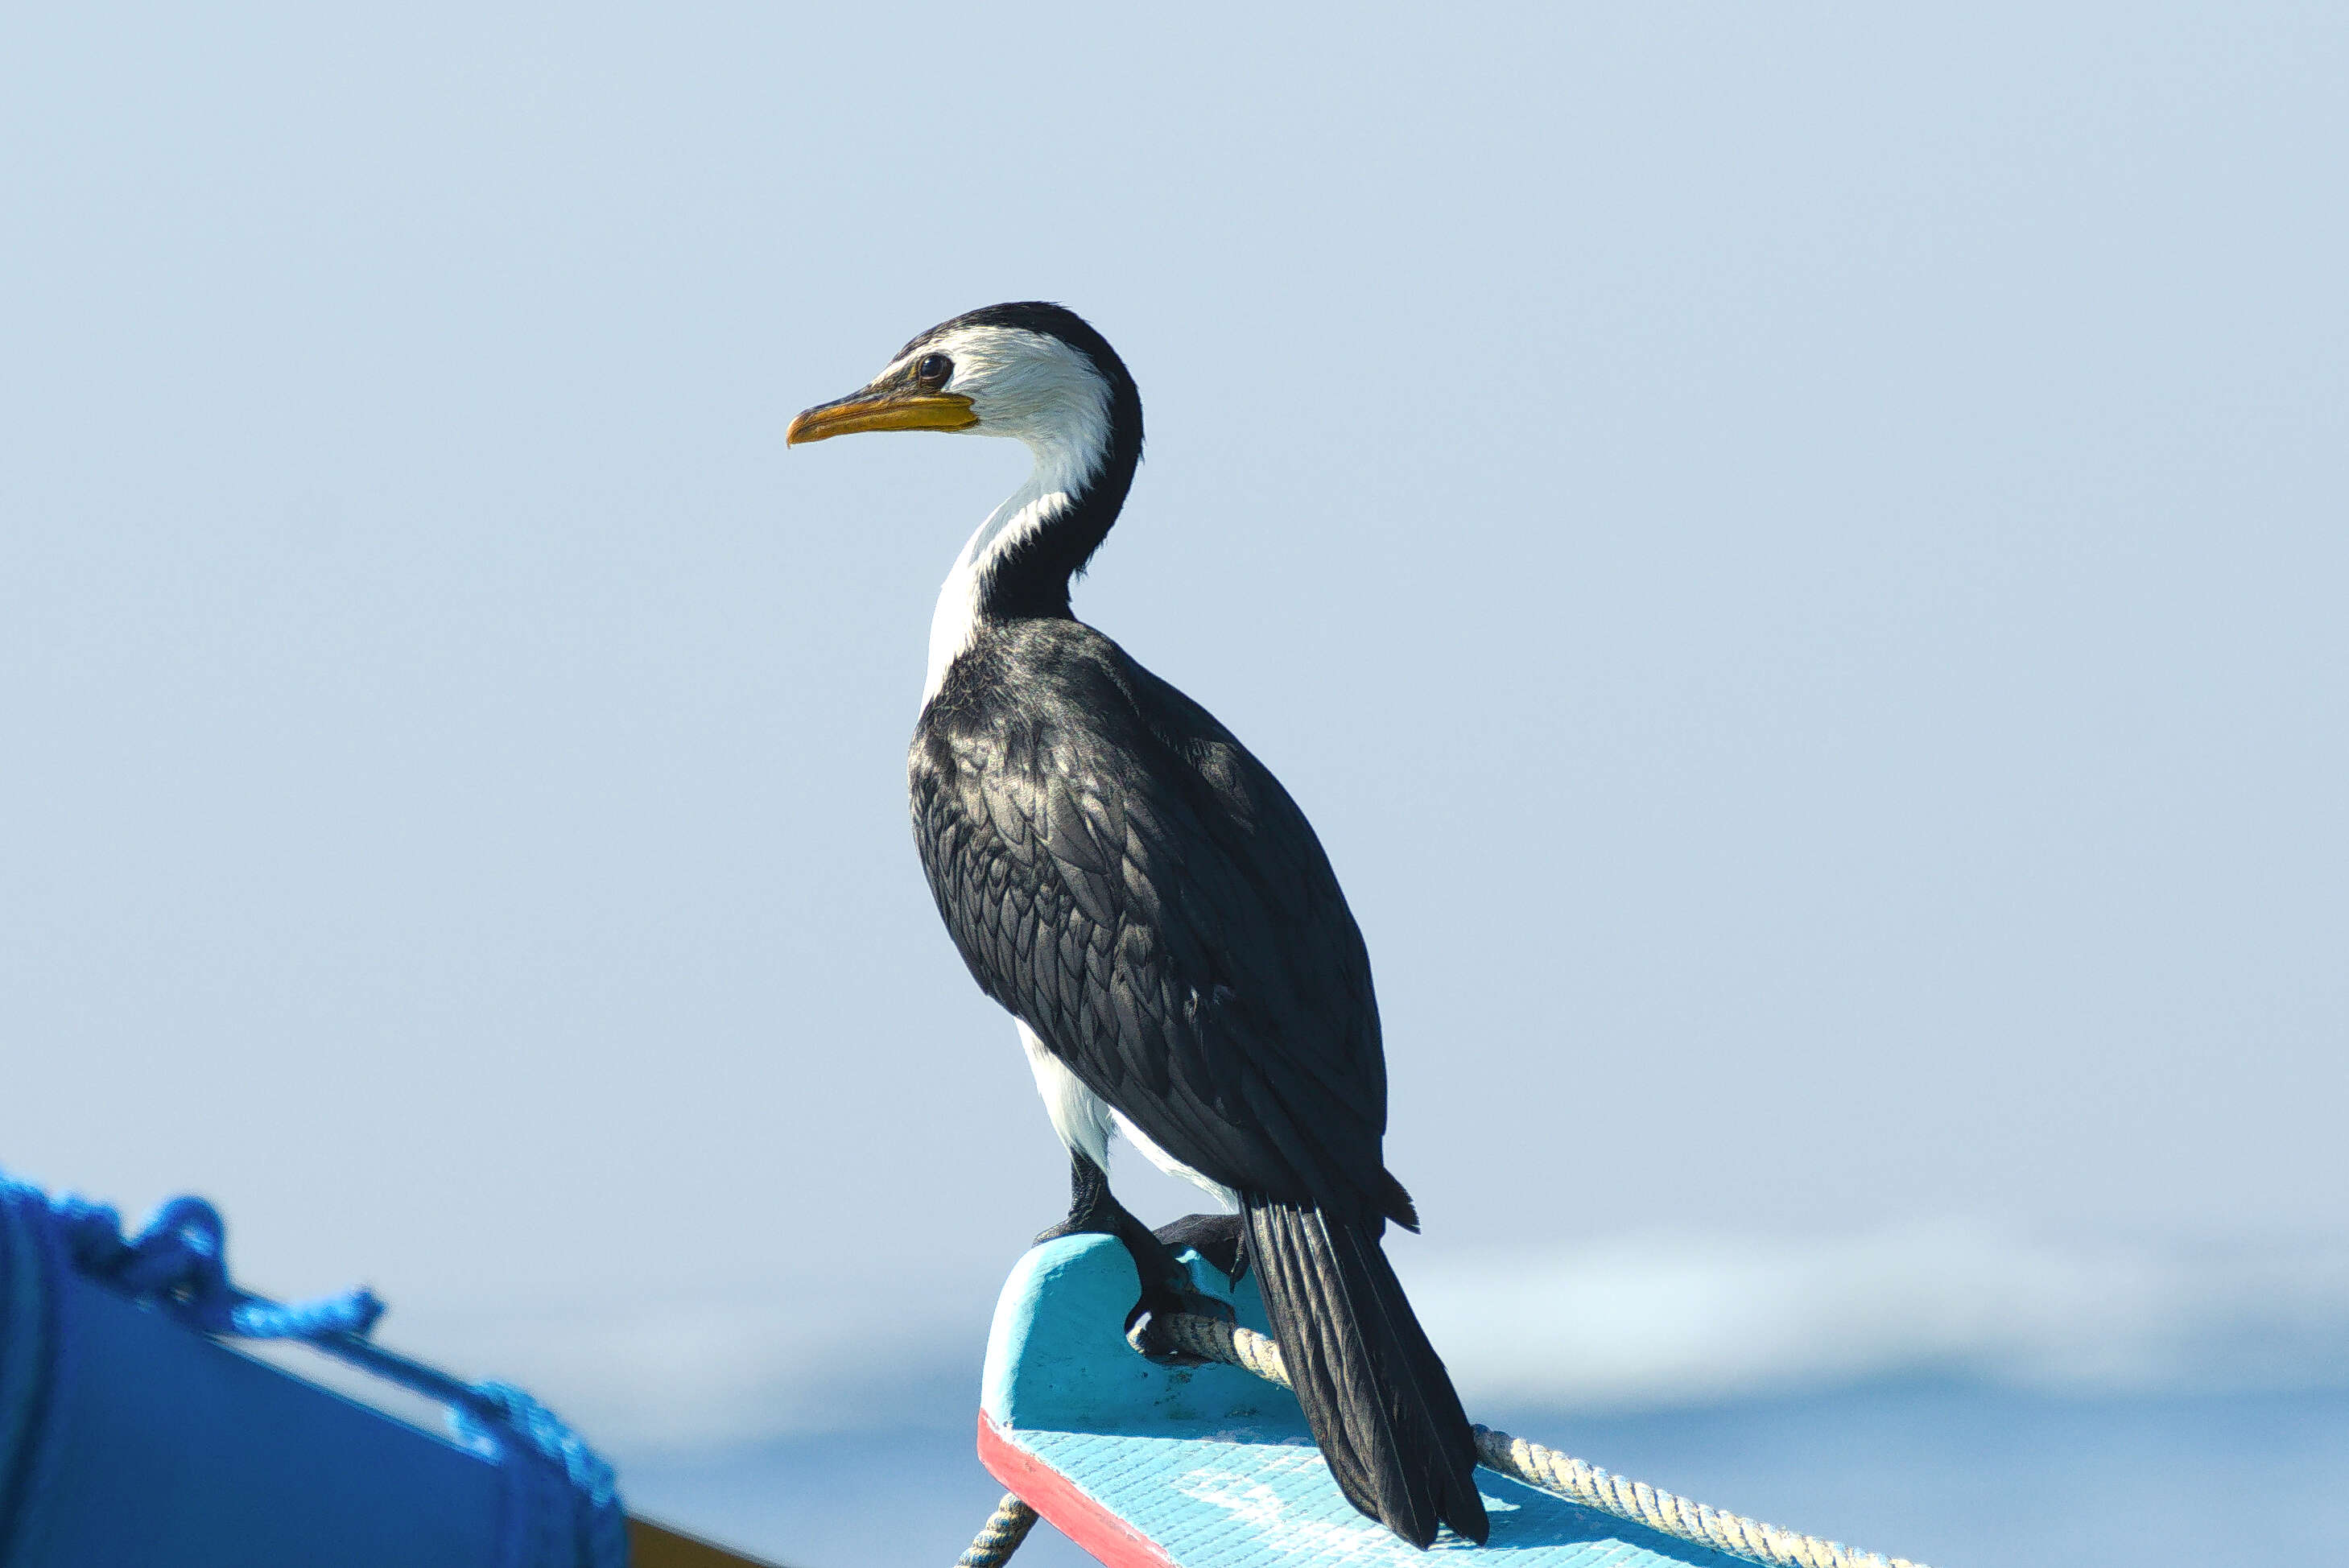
<point>178,1261</point>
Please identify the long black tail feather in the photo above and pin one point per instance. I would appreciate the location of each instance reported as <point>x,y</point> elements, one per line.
<point>1377,1397</point>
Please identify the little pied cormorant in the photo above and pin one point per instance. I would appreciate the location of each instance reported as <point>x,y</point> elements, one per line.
<point>1155,913</point>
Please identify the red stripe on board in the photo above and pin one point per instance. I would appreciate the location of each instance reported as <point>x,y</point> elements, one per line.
<point>1072,1510</point>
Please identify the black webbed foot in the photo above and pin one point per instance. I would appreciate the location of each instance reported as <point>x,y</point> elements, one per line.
<point>1215,1237</point>
<point>1165,1283</point>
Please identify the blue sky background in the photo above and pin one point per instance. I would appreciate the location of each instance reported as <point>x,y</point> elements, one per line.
<point>1796,558</point>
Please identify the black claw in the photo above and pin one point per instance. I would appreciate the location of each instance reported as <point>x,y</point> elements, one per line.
<point>1163,1280</point>
<point>1215,1237</point>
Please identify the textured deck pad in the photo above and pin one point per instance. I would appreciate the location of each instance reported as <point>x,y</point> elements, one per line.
<point>1210,1466</point>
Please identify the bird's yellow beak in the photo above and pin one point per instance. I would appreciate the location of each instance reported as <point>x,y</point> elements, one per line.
<point>872,409</point>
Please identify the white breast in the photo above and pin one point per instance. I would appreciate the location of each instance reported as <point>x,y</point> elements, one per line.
<point>1083,1121</point>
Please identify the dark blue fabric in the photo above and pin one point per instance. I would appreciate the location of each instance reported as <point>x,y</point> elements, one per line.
<point>563,1505</point>
<point>30,1354</point>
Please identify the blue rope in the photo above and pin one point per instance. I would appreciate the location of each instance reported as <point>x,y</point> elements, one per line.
<point>178,1263</point>
<point>563,1505</point>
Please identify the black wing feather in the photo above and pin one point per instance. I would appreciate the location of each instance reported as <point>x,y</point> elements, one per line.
<point>1119,873</point>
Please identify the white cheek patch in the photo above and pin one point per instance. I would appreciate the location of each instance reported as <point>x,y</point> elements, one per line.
<point>1026,385</point>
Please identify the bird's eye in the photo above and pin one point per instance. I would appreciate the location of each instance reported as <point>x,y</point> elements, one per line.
<point>934,368</point>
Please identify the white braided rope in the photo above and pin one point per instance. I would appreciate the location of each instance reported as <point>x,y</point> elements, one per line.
<point>1562,1474</point>
<point>1005,1529</point>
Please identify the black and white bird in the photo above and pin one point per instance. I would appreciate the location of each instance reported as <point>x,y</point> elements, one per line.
<point>1155,913</point>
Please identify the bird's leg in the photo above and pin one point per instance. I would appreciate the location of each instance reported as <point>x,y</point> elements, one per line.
<point>1094,1211</point>
<point>1091,1210</point>
<point>1215,1237</point>
<point>1165,1284</point>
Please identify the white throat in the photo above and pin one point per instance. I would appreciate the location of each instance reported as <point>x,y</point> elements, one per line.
<point>954,623</point>
<point>1044,393</point>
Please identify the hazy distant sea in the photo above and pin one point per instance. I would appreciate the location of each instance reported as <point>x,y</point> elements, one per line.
<point>1961,1396</point>
<point>1952,1473</point>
